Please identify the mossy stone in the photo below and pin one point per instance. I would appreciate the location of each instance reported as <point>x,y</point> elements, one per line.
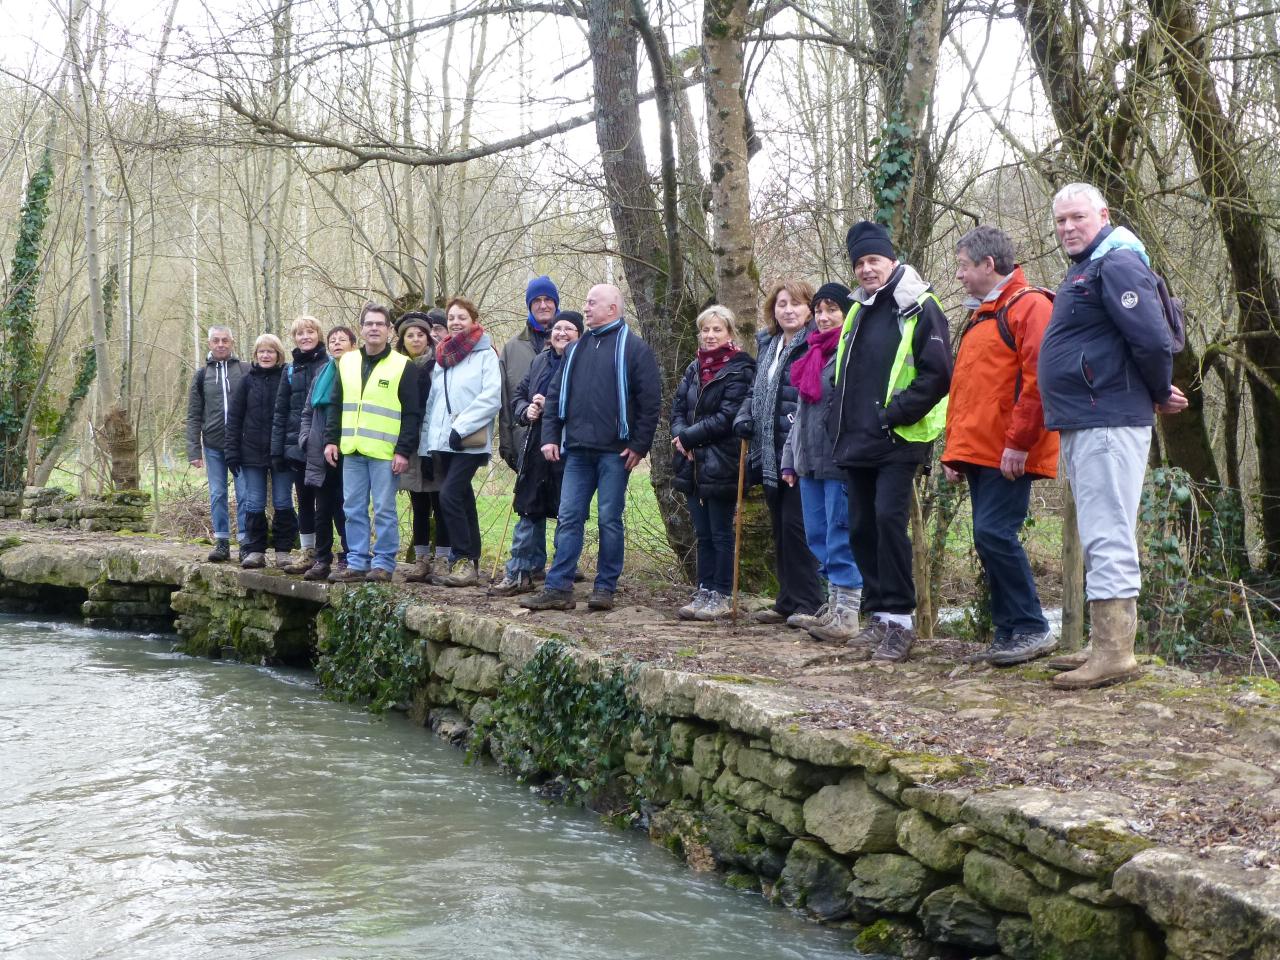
<point>998,883</point>
<point>852,818</point>
<point>891,883</point>
<point>1068,929</point>
<point>953,915</point>
<point>708,755</point>
<point>925,839</point>
<point>815,880</point>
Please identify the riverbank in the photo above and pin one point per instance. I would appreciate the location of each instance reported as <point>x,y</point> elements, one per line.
<point>925,802</point>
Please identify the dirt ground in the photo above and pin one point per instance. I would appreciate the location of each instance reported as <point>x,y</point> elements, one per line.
<point>1198,753</point>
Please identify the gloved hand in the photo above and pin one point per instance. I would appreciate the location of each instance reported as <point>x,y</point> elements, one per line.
<point>297,466</point>
<point>744,429</point>
<point>233,466</point>
<point>280,464</point>
<point>455,440</point>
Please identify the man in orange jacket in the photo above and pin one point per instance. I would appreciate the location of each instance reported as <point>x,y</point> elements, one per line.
<point>996,438</point>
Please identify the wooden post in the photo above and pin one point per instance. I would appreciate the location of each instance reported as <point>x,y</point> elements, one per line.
<point>1072,576</point>
<point>737,525</point>
<point>925,618</point>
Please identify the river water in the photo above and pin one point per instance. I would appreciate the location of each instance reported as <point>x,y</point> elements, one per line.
<point>156,806</point>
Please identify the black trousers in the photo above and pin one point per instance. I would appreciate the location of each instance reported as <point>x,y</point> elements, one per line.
<point>425,506</point>
<point>458,502</point>
<point>329,513</point>
<point>306,504</point>
<point>799,580</point>
<point>879,521</point>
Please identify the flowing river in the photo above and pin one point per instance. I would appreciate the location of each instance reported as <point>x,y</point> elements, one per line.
<point>156,806</point>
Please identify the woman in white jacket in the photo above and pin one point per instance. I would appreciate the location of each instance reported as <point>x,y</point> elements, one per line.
<point>466,391</point>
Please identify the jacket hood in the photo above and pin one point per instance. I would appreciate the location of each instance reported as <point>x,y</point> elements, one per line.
<point>907,287</point>
<point>484,343</point>
<point>208,358</point>
<point>1120,238</point>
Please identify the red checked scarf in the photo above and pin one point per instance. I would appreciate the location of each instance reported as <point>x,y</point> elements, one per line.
<point>452,350</point>
<point>806,373</point>
<point>711,362</point>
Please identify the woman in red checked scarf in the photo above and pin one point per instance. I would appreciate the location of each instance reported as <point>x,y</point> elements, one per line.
<point>706,454</point>
<point>466,391</point>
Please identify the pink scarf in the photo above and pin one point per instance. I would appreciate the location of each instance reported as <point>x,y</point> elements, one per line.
<point>806,373</point>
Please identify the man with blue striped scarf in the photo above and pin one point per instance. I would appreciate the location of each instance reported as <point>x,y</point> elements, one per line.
<point>601,414</point>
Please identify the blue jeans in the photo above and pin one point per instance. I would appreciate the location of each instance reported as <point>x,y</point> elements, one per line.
<point>713,525</point>
<point>586,473</point>
<point>826,530</point>
<point>528,546</point>
<point>215,465</point>
<point>254,482</point>
<point>999,511</point>
<point>362,478</point>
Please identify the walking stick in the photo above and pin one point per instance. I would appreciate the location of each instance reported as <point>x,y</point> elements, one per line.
<point>737,526</point>
<point>511,508</point>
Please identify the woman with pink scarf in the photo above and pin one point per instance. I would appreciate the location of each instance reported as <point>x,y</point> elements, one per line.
<point>807,461</point>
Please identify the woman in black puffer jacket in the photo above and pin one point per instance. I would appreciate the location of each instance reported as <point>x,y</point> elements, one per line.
<point>309,358</point>
<point>706,454</point>
<point>765,419</point>
<point>248,450</point>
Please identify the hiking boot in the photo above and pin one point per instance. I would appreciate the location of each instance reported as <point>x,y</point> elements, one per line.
<point>841,624</point>
<point>718,606</point>
<point>1021,647</point>
<point>282,559</point>
<point>377,575</point>
<point>1069,661</point>
<point>1113,625</point>
<point>421,571</point>
<point>550,599</point>
<point>317,571</point>
<point>519,582</point>
<point>690,610</point>
<point>253,561</point>
<point>804,621</point>
<point>600,600</point>
<point>895,645</point>
<point>465,573</point>
<point>340,560</point>
<point>870,636</point>
<point>768,615</point>
<point>304,562</point>
<point>221,552</point>
<point>347,575</point>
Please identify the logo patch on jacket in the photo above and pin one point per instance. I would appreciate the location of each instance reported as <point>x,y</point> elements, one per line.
<point>384,383</point>
<point>1129,299</point>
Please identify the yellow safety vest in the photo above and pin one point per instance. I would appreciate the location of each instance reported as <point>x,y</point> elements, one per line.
<point>902,373</point>
<point>371,411</point>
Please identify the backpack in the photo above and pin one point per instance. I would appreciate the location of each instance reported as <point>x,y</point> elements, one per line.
<point>1002,328</point>
<point>1175,314</point>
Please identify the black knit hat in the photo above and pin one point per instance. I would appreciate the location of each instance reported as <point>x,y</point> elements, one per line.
<point>437,318</point>
<point>866,238</point>
<point>837,293</point>
<point>573,316</point>
<point>413,319</point>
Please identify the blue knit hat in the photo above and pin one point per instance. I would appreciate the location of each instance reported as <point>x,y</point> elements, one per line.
<point>540,287</point>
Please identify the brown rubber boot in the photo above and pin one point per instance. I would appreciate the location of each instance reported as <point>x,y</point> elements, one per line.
<point>1069,661</point>
<point>1113,628</point>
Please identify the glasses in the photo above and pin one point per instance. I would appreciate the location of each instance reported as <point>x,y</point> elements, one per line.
<point>373,323</point>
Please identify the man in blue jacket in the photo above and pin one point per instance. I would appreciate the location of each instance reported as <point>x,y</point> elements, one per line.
<point>600,416</point>
<point>1106,367</point>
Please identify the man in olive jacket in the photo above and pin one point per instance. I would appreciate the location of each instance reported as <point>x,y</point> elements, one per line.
<point>208,402</point>
<point>542,300</point>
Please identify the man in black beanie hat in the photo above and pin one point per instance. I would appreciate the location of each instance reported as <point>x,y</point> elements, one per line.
<point>892,374</point>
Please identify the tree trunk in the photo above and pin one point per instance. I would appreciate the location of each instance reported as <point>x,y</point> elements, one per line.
<point>737,276</point>
<point>613,41</point>
<point>1215,144</point>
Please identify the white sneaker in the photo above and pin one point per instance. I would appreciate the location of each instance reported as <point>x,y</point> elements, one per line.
<point>717,607</point>
<point>690,610</point>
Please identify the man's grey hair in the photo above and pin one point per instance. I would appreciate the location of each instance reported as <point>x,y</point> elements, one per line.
<point>987,241</point>
<point>221,328</point>
<point>1088,190</point>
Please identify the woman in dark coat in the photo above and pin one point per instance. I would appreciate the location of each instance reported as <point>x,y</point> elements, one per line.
<point>706,454</point>
<point>537,492</point>
<point>309,358</point>
<point>765,419</point>
<point>415,342</point>
<point>248,451</point>
<point>323,480</point>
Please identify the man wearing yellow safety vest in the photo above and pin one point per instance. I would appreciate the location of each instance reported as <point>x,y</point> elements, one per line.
<point>375,434</point>
<point>892,374</point>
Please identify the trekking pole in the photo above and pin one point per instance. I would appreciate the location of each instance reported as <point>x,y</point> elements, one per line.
<point>511,508</point>
<point>737,526</point>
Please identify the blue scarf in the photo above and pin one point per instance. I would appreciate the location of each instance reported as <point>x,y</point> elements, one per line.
<point>620,373</point>
<point>322,392</point>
